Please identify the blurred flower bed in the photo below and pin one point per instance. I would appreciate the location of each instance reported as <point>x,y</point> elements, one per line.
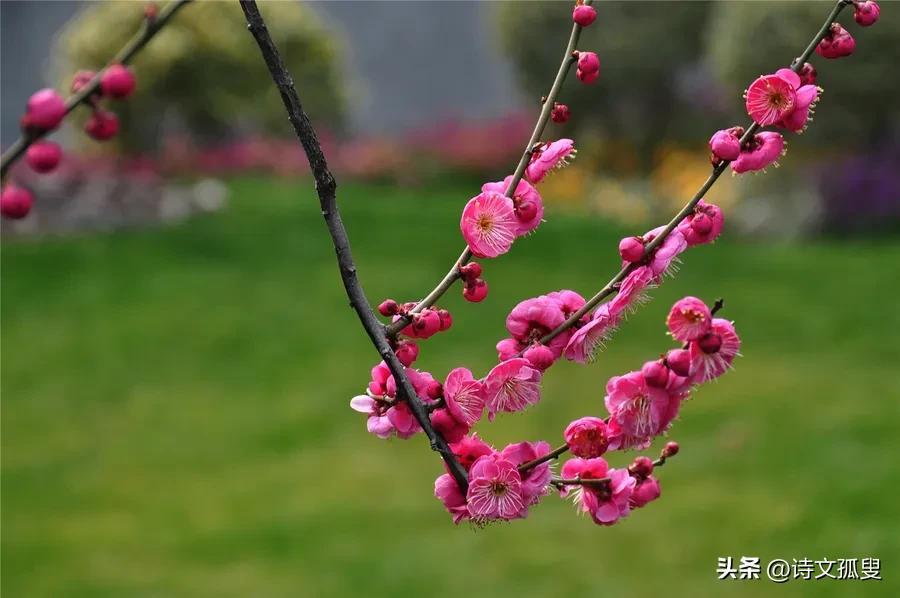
<point>105,191</point>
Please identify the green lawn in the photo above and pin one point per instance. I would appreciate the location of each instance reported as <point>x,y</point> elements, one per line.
<point>176,420</point>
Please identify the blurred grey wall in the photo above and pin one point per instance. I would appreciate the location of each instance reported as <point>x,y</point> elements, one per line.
<point>27,28</point>
<point>409,63</point>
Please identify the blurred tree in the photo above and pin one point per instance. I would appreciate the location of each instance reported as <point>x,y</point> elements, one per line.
<point>203,70</point>
<point>859,106</point>
<point>650,88</point>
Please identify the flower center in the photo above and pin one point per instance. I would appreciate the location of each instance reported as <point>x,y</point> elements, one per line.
<point>485,223</point>
<point>779,101</point>
<point>499,488</point>
<point>692,315</point>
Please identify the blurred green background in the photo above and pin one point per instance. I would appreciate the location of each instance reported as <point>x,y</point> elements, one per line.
<point>176,389</point>
<point>176,417</point>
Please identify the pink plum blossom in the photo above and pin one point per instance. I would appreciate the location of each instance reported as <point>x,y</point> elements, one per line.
<point>805,100</point>
<point>631,249</point>
<point>447,491</point>
<point>770,99</point>
<point>726,144</point>
<point>837,43</point>
<point>512,386</point>
<point>606,503</point>
<point>703,225</point>
<point>45,110</point>
<point>630,291</point>
<point>549,156</point>
<point>527,203</point>
<point>645,491</point>
<point>713,354</point>
<point>587,437</point>
<point>495,490</point>
<point>590,337</point>
<point>689,319</point>
<point>117,81</point>
<point>464,396</point>
<point>761,151</point>
<point>584,15</point>
<point>579,468</point>
<point>452,429</point>
<point>535,481</point>
<point>638,411</point>
<point>489,224</point>
<point>614,503</point>
<point>539,356</point>
<point>470,449</point>
<point>15,201</point>
<point>866,13</point>
<point>377,422</point>
<point>662,258</point>
<point>679,361</point>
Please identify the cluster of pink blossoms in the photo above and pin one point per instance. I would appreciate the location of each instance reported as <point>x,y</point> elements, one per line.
<point>46,110</point>
<point>640,405</point>
<point>784,99</point>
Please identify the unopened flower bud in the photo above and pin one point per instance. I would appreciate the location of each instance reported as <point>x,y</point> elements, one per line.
<point>641,467</point>
<point>452,430</point>
<point>475,291</point>
<point>711,343</point>
<point>435,390</point>
<point>655,374</point>
<point>445,318</point>
<point>584,15</point>
<point>526,210</point>
<point>560,113</point>
<point>388,307</point>
<point>588,62</point>
<point>540,356</point>
<point>45,110</point>
<point>102,125</point>
<point>867,12</point>
<point>702,224</point>
<point>631,249</point>
<point>470,271</point>
<point>15,202</point>
<point>117,81</point>
<point>407,352</point>
<point>43,156</point>
<point>837,43</point>
<point>151,11</point>
<point>670,450</point>
<point>807,74</point>
<point>679,361</point>
<point>726,144</point>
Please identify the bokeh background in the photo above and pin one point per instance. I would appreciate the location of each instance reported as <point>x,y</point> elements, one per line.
<point>177,363</point>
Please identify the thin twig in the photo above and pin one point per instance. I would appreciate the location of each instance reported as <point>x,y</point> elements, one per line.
<point>326,190</point>
<point>555,453</point>
<point>560,482</point>
<point>569,58</point>
<point>149,28</point>
<point>720,167</point>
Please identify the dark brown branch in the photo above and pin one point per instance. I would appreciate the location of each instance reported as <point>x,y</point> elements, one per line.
<point>555,453</point>
<point>326,190</point>
<point>149,28</point>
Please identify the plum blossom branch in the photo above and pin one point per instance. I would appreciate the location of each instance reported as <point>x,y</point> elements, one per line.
<point>326,189</point>
<point>149,28</point>
<point>569,58</point>
<point>718,168</point>
<point>554,454</point>
<point>560,483</point>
